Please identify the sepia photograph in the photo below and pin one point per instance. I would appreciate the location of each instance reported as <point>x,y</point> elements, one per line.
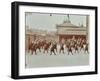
<point>56,40</point>
<point>50,40</point>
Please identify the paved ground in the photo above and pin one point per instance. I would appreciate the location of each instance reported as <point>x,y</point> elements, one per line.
<point>47,60</point>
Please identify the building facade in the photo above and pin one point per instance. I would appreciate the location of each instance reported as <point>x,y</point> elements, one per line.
<point>67,30</point>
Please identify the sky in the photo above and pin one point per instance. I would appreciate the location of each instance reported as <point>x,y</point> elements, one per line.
<point>45,21</point>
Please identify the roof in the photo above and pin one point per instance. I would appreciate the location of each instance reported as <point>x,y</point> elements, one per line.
<point>67,24</point>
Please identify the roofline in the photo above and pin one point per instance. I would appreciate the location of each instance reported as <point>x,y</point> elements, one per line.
<point>72,26</point>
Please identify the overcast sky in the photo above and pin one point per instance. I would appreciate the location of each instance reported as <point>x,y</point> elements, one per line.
<point>46,22</point>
